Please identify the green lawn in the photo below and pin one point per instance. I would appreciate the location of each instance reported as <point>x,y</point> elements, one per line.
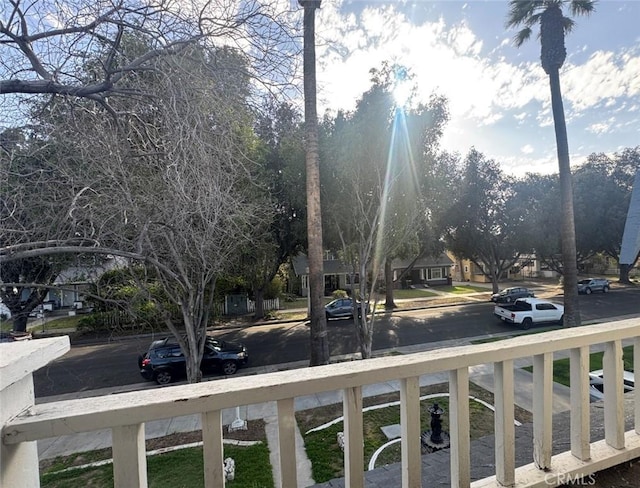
<point>178,469</point>
<point>411,293</point>
<point>463,289</point>
<point>327,457</point>
<point>561,366</point>
<point>68,322</point>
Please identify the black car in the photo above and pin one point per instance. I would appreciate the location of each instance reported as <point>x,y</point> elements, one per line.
<point>509,295</point>
<point>342,307</point>
<point>164,361</point>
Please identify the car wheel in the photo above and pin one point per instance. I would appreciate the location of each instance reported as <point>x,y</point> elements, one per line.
<point>508,299</point>
<point>605,289</point>
<point>588,291</point>
<point>164,377</point>
<point>526,323</point>
<point>229,367</point>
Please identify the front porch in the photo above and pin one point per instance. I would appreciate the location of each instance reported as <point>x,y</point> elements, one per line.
<point>551,459</point>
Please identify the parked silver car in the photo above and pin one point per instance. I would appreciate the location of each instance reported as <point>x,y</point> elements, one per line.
<point>590,285</point>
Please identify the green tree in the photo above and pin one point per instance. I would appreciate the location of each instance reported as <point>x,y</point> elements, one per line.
<point>487,223</point>
<point>553,27</point>
<point>372,192</point>
<point>603,186</point>
<point>318,329</point>
<point>540,196</point>
<point>282,147</point>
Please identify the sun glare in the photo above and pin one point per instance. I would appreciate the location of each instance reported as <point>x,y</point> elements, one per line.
<point>402,87</point>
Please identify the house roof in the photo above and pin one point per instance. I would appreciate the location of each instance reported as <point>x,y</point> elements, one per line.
<point>330,266</point>
<point>423,262</point>
<point>335,266</point>
<point>88,274</point>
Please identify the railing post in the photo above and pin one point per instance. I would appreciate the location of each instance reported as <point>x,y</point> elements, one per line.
<point>613,394</point>
<point>636,377</point>
<point>287,443</point>
<point>580,410</point>
<point>129,457</point>
<point>459,427</point>
<point>213,449</point>
<point>19,462</point>
<point>410,441</point>
<point>504,423</point>
<point>542,409</point>
<point>353,437</point>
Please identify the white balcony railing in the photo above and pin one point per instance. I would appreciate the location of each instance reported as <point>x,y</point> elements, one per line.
<point>126,413</point>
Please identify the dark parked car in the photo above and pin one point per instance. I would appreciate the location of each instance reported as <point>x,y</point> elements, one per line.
<point>509,295</point>
<point>342,307</point>
<point>164,361</point>
<point>590,285</point>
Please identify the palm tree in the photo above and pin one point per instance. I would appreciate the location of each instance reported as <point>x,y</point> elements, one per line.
<point>319,340</point>
<point>553,27</point>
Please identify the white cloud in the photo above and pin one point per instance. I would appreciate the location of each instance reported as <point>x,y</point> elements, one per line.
<point>604,77</point>
<point>485,90</point>
<point>600,128</point>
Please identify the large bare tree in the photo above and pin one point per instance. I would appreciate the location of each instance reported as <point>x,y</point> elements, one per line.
<point>45,45</point>
<point>170,186</point>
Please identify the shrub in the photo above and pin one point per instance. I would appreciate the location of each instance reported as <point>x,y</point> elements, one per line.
<point>339,294</point>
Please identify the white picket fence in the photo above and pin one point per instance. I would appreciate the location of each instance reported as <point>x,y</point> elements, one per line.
<point>272,304</point>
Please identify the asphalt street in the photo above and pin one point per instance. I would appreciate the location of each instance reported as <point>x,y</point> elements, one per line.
<point>114,363</point>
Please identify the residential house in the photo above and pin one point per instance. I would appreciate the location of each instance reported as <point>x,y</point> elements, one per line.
<point>423,271</point>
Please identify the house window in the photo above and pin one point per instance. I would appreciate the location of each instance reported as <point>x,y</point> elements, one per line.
<point>355,279</point>
<point>466,269</point>
<point>435,273</point>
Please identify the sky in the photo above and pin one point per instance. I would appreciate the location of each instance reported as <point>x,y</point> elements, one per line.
<point>499,96</point>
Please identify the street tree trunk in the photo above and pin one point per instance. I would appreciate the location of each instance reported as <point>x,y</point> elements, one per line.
<point>569,260</point>
<point>389,303</point>
<point>319,339</point>
<point>20,322</point>
<point>624,273</point>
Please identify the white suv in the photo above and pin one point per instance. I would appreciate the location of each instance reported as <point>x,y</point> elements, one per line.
<point>590,285</point>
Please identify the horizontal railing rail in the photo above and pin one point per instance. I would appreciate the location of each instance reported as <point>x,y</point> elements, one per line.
<point>126,413</point>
